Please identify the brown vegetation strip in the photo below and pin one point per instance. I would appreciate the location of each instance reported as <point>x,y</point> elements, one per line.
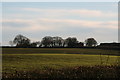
<point>80,72</point>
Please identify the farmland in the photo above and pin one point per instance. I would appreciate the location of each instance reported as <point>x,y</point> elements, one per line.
<point>33,62</point>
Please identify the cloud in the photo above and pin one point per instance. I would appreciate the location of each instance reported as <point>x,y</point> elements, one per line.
<point>55,24</point>
<point>78,12</point>
<point>83,23</point>
<point>50,19</point>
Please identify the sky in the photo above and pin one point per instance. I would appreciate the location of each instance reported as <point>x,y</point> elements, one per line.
<point>83,20</point>
<point>60,0</point>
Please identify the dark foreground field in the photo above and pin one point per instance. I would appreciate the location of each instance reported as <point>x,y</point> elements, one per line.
<point>59,63</point>
<point>79,72</point>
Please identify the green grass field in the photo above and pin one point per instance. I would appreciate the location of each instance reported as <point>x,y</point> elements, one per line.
<point>27,59</point>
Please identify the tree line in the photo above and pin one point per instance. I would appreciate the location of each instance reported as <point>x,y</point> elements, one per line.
<point>48,41</point>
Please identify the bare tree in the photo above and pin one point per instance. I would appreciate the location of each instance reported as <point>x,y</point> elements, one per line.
<point>11,43</point>
<point>47,41</point>
<point>21,41</point>
<point>58,42</point>
<point>71,42</point>
<point>90,42</point>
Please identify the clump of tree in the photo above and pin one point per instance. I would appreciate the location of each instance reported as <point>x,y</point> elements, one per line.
<point>21,41</point>
<point>71,42</point>
<point>90,42</point>
<point>35,44</point>
<point>48,41</point>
